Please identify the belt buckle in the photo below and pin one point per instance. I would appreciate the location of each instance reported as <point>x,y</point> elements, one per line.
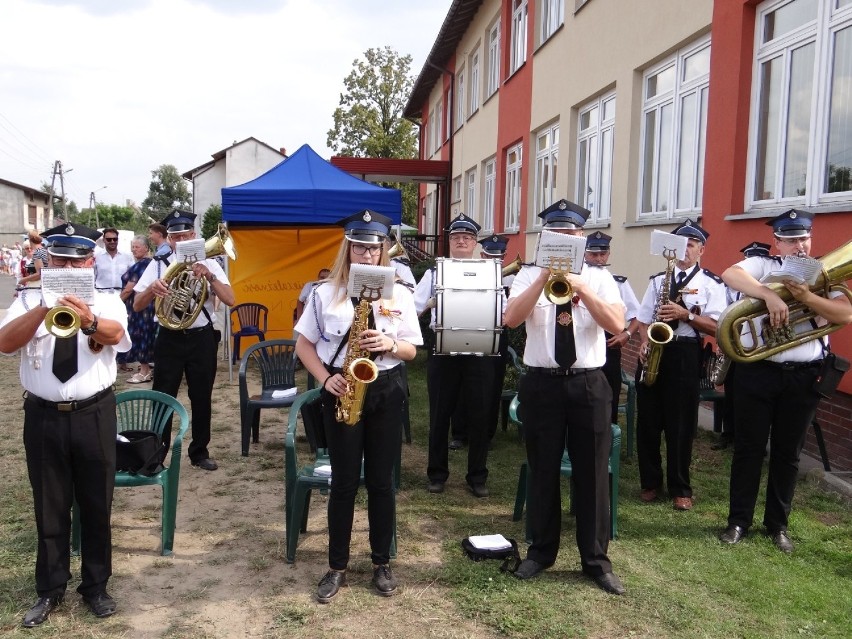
<point>65,407</point>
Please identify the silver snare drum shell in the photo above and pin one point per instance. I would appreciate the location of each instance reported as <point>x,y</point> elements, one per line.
<point>469,311</point>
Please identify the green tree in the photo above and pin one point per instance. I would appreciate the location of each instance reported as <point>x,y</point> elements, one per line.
<point>210,222</point>
<point>167,191</point>
<point>112,215</point>
<point>64,210</point>
<point>369,122</point>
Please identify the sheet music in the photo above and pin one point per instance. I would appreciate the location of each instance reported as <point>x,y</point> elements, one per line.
<point>377,281</point>
<point>58,282</point>
<point>489,542</point>
<point>190,251</point>
<point>561,246</point>
<point>662,241</point>
<point>804,270</point>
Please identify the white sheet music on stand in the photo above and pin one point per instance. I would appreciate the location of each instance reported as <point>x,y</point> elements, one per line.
<point>560,246</point>
<point>190,251</point>
<point>489,542</point>
<point>373,278</point>
<point>804,270</point>
<point>58,282</point>
<point>662,242</point>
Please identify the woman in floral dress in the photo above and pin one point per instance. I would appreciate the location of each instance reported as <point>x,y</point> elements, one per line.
<point>142,325</point>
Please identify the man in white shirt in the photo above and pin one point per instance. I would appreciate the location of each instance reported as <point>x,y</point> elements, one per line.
<point>111,264</point>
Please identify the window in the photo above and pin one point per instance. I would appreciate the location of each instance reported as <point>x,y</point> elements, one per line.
<point>32,215</point>
<point>552,16</point>
<point>437,140</point>
<point>488,193</point>
<point>473,65</point>
<point>514,158</point>
<point>595,133</point>
<point>674,122</point>
<point>493,59</point>
<point>519,35</point>
<point>456,194</point>
<point>801,147</point>
<point>460,105</point>
<point>429,212</point>
<point>430,134</point>
<point>546,156</point>
<point>470,198</point>
<point>447,119</point>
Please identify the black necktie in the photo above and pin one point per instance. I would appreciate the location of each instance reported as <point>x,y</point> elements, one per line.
<point>680,277</point>
<point>564,350</point>
<point>65,358</point>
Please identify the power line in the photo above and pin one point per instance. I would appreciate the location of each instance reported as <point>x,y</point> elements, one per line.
<point>44,156</point>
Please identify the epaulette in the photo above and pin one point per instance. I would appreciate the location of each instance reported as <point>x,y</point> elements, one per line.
<point>620,278</point>
<point>657,274</point>
<point>407,285</point>
<point>712,275</point>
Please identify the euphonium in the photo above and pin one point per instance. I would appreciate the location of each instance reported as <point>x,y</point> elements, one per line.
<point>557,288</point>
<point>659,333</point>
<point>181,307</point>
<point>397,251</point>
<point>513,267</point>
<point>741,316</point>
<point>62,321</point>
<point>358,369</point>
<point>719,370</point>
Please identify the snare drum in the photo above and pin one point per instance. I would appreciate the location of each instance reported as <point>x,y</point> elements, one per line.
<point>469,311</point>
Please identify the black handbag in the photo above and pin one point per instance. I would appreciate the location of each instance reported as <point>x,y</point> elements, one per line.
<point>510,556</point>
<point>314,428</point>
<point>141,454</point>
<point>830,373</point>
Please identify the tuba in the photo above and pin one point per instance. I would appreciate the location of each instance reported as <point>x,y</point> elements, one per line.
<point>513,267</point>
<point>557,288</point>
<point>742,317</point>
<point>358,369</point>
<point>659,333</point>
<point>398,252</point>
<point>179,309</point>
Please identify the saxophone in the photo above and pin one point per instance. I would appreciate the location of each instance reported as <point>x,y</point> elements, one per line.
<point>659,333</point>
<point>358,369</point>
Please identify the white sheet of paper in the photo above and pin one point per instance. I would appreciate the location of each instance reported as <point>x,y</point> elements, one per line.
<point>190,251</point>
<point>287,392</point>
<point>559,245</point>
<point>372,282</point>
<point>322,471</point>
<point>58,282</point>
<point>804,270</point>
<point>662,241</point>
<point>489,542</point>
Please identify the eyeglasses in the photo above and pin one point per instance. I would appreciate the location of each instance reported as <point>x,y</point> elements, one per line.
<point>794,240</point>
<point>462,237</point>
<point>76,262</point>
<point>180,237</point>
<point>110,239</point>
<point>361,249</point>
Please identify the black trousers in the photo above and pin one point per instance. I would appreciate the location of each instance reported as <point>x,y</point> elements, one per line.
<point>777,405</point>
<point>570,411</point>
<point>458,425</point>
<point>71,455</point>
<point>729,420</point>
<point>670,408</point>
<point>191,353</point>
<point>612,370</point>
<point>464,381</point>
<point>377,439</point>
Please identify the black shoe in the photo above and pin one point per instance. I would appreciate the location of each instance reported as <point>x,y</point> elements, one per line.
<point>479,490</point>
<point>456,444</point>
<point>330,584</point>
<point>436,487</point>
<point>528,569</point>
<point>610,582</point>
<point>782,542</point>
<point>384,581</point>
<point>732,534</point>
<point>101,604</point>
<point>40,611</point>
<point>206,464</point>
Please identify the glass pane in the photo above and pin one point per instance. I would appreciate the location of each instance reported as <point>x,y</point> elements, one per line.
<point>609,107</point>
<point>798,121</point>
<point>589,119</point>
<point>768,123</point>
<point>665,158</point>
<point>583,173</point>
<point>661,82</point>
<point>787,18</point>
<point>648,157</point>
<point>839,161</point>
<point>844,3</point>
<point>696,65</point>
<point>606,175</point>
<point>686,160</point>
<point>702,145</point>
<point>592,192</point>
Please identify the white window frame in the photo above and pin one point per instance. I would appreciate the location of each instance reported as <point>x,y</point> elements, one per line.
<point>546,164</point>
<point>473,65</point>
<point>455,195</point>
<point>448,118</point>
<point>821,32</point>
<point>518,51</point>
<point>470,195</point>
<point>512,210</point>
<point>593,183</point>
<point>489,194</point>
<point>429,206</point>
<point>673,99</point>
<point>552,16</point>
<point>439,126</point>
<point>493,79</point>
<point>430,135</point>
<point>460,96</point>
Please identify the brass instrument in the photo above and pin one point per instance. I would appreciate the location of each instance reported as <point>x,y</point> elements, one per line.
<point>719,368</point>
<point>397,251</point>
<point>557,288</point>
<point>741,316</point>
<point>659,333</point>
<point>179,309</point>
<point>62,322</point>
<point>513,267</point>
<point>358,369</point>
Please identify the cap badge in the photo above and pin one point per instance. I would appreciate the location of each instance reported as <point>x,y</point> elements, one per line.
<point>688,223</point>
<point>598,235</point>
<point>563,205</point>
<point>494,239</point>
<point>792,215</point>
<point>367,216</point>
<point>69,230</point>
<point>461,216</point>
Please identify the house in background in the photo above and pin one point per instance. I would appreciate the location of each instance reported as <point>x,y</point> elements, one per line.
<point>727,112</point>
<point>237,164</point>
<point>22,208</point>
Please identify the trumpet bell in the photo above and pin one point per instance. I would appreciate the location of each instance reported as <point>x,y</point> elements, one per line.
<point>62,322</point>
<point>558,290</point>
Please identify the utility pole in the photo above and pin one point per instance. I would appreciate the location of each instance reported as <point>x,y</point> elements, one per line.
<point>57,170</point>
<point>93,207</point>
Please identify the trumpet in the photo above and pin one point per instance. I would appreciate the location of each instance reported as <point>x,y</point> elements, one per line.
<point>513,267</point>
<point>557,288</point>
<point>62,322</point>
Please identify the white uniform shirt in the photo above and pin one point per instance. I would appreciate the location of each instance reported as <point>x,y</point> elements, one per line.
<point>156,270</point>
<point>329,314</point>
<point>95,371</point>
<point>589,342</point>
<point>628,297</point>
<point>108,269</point>
<point>758,267</point>
<point>403,272</point>
<point>702,291</point>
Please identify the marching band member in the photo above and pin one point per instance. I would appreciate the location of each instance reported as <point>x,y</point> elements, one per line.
<point>565,399</point>
<point>69,426</point>
<point>323,344</point>
<point>774,398</point>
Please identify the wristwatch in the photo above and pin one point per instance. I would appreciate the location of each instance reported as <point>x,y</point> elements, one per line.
<point>212,278</point>
<point>394,348</point>
<point>93,328</point>
<point>690,317</point>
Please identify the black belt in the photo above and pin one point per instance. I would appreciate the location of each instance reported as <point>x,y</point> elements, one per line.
<point>792,366</point>
<point>560,372</point>
<point>187,331</point>
<point>69,407</point>
<point>684,338</point>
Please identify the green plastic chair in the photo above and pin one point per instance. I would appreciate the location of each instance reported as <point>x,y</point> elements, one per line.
<point>509,393</point>
<point>300,481</point>
<point>565,469</point>
<point>148,410</point>
<point>629,409</point>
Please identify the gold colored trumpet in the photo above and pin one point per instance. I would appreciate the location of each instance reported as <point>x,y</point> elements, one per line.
<point>62,322</point>
<point>513,267</point>
<point>557,288</point>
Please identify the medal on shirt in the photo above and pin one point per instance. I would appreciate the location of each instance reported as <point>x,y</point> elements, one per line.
<point>390,313</point>
<point>564,318</point>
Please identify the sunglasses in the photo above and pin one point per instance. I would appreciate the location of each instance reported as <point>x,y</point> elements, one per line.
<point>110,239</point>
